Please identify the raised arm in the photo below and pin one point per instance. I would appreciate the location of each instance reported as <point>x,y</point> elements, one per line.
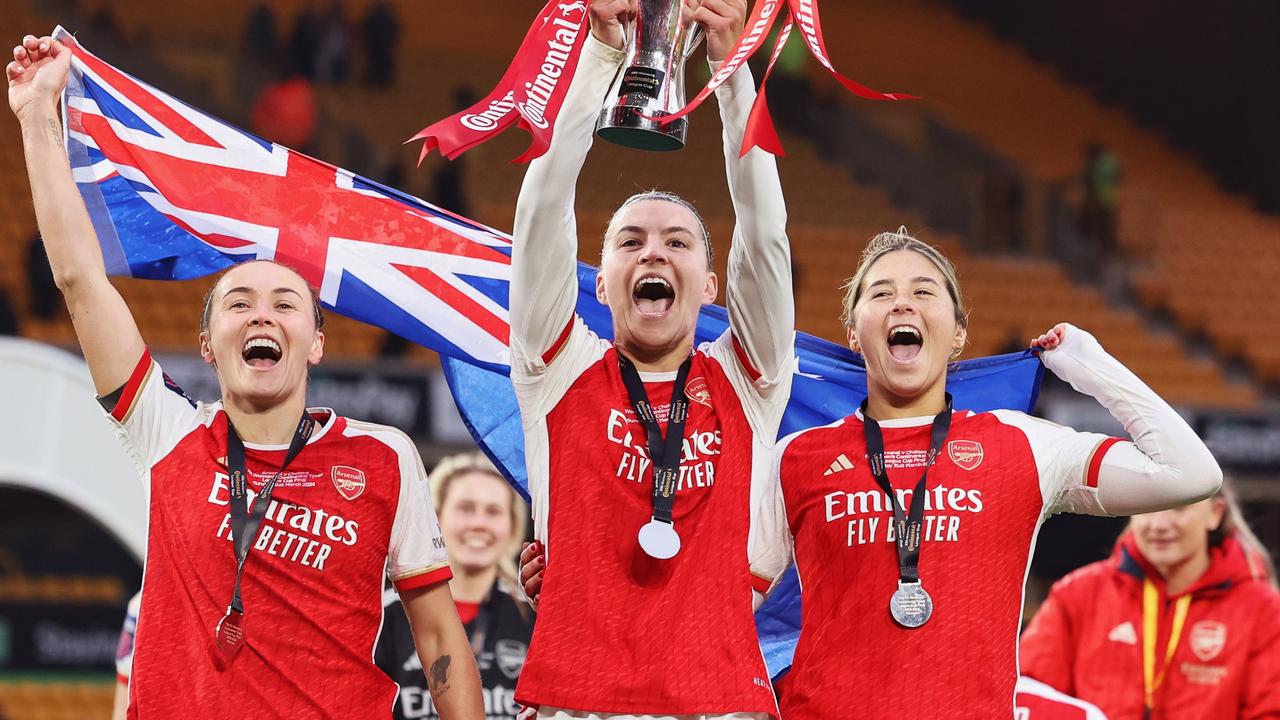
<point>452,677</point>
<point>544,285</point>
<point>1166,465</point>
<point>107,332</point>
<point>759,292</point>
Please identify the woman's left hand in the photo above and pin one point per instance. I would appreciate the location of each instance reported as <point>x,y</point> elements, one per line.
<point>1052,339</point>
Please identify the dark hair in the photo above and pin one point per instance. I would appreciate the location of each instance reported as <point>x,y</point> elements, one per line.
<point>207,312</point>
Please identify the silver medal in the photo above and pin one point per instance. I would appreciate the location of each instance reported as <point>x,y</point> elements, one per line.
<point>910,605</point>
<point>659,539</point>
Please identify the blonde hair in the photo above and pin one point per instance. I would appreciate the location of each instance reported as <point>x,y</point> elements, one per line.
<point>887,242</point>
<point>1234,525</point>
<point>451,468</point>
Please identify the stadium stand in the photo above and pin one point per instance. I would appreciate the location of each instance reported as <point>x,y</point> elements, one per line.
<point>831,214</point>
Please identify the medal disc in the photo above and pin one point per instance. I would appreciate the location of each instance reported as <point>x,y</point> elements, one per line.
<point>659,539</point>
<point>910,605</point>
<point>230,633</point>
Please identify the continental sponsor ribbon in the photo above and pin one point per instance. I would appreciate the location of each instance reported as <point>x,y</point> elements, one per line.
<point>760,131</point>
<point>530,93</point>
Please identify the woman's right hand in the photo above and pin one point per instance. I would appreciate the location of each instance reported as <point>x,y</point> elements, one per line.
<point>606,20</point>
<point>533,561</point>
<point>37,74</point>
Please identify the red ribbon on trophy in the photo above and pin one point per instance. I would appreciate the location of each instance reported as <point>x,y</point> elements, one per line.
<point>529,94</point>
<point>532,90</point>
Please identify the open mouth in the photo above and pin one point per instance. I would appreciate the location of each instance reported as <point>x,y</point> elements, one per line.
<point>477,541</point>
<point>261,352</point>
<point>653,295</point>
<point>905,343</point>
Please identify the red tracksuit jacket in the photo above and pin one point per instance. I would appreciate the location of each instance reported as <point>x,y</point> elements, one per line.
<point>1086,640</point>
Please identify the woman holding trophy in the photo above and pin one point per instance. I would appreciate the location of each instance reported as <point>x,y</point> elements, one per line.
<point>647,456</point>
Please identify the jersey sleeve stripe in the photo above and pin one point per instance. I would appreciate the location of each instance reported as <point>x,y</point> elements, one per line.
<point>422,578</point>
<point>760,583</point>
<point>129,393</point>
<point>1095,461</point>
<point>554,350</point>
<point>741,353</point>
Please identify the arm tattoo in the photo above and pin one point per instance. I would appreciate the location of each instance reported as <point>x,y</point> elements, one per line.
<point>56,132</point>
<point>438,675</point>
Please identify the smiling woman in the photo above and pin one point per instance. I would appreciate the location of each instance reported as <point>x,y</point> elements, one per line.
<point>913,522</point>
<point>255,473</point>
<point>483,521</point>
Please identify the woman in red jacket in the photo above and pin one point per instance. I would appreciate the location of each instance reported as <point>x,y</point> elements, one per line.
<point>1181,623</point>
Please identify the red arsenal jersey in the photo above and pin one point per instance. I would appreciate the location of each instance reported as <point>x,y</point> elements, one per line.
<point>351,508</point>
<point>618,631</point>
<point>998,476</point>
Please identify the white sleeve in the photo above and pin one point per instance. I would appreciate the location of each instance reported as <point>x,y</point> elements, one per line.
<point>151,414</point>
<point>416,556</point>
<point>759,292</point>
<point>1066,460</point>
<point>1029,687</point>
<point>1167,464</point>
<point>770,545</point>
<point>544,254</point>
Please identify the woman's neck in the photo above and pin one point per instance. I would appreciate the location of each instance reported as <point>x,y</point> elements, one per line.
<point>882,405</point>
<point>665,360</point>
<point>273,425</point>
<point>1183,574</point>
<point>472,586</point>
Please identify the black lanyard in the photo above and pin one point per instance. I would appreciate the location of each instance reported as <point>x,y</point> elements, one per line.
<point>245,524</point>
<point>664,452</point>
<point>908,529</point>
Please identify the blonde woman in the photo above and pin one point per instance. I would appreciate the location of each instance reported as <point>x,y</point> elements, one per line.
<point>482,520</point>
<point>1200,579</point>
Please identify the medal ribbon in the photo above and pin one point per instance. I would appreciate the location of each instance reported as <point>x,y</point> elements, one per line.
<point>1150,627</point>
<point>664,452</point>
<point>907,529</point>
<point>245,524</point>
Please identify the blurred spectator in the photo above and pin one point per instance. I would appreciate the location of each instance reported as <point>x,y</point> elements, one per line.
<point>381,30</point>
<point>124,658</point>
<point>260,34</point>
<point>333,52</point>
<point>286,112</point>
<point>1181,623</point>
<point>304,42</point>
<point>448,189</point>
<point>1099,210</point>
<point>44,298</point>
<point>483,521</point>
<point>104,25</point>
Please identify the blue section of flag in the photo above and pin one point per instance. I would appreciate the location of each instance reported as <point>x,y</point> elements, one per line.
<point>127,189</point>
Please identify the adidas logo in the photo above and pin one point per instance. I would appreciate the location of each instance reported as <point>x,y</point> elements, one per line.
<point>1124,633</point>
<point>840,464</point>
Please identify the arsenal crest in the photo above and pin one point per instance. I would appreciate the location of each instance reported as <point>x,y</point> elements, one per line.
<point>697,391</point>
<point>348,480</point>
<point>966,454</point>
<point>1208,637</point>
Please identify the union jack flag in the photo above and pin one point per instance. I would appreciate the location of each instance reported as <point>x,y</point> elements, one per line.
<point>176,194</point>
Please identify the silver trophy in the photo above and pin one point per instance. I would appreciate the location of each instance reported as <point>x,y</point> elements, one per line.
<point>652,85</point>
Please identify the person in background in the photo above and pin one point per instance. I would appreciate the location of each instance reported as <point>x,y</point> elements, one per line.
<point>483,521</point>
<point>124,658</point>
<point>1181,623</point>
